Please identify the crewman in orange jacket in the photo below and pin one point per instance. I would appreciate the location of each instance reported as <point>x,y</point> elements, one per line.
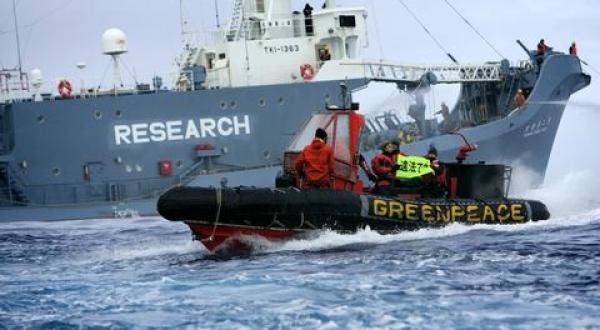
<point>315,165</point>
<point>383,166</point>
<point>540,53</point>
<point>573,49</point>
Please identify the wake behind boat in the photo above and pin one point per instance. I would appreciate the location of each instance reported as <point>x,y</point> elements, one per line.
<point>471,194</point>
<point>235,102</point>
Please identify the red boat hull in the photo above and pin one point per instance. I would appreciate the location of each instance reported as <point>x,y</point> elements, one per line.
<point>213,237</point>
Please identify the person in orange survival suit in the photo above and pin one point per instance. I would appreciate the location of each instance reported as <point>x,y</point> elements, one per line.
<point>383,166</point>
<point>315,165</point>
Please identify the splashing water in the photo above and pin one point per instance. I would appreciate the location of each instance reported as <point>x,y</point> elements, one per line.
<point>149,273</point>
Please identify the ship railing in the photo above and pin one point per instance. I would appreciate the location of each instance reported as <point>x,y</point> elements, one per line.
<point>443,74</point>
<point>191,172</point>
<point>14,84</point>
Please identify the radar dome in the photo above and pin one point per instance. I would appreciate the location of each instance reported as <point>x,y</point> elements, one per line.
<point>114,42</point>
<point>36,78</point>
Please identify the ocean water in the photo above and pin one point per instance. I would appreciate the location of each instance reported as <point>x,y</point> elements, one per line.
<point>148,273</point>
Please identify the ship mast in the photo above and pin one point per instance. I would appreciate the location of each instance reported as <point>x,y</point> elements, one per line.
<point>217,14</point>
<point>17,35</point>
<point>181,21</point>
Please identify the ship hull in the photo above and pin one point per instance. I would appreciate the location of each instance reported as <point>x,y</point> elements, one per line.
<point>70,162</point>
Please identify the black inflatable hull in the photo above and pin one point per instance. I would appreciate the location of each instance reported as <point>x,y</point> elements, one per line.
<point>278,213</point>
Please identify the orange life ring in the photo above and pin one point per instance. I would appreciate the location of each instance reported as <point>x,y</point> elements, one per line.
<point>307,72</point>
<point>64,88</point>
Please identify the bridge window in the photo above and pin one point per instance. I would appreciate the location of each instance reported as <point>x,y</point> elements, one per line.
<point>260,6</point>
<point>347,21</point>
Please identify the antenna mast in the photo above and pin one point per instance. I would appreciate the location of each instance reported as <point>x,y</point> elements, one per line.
<point>17,34</point>
<point>181,21</point>
<point>217,13</point>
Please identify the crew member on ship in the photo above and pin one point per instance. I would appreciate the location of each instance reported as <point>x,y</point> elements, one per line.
<point>519,99</point>
<point>445,112</point>
<point>541,52</point>
<point>315,165</point>
<point>573,49</point>
<point>308,21</point>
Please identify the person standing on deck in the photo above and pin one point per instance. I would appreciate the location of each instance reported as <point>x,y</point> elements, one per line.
<point>540,53</point>
<point>519,99</point>
<point>573,49</point>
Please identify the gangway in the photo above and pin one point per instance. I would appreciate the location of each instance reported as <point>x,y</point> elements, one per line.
<point>443,74</point>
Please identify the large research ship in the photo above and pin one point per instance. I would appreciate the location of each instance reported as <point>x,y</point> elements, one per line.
<point>236,102</point>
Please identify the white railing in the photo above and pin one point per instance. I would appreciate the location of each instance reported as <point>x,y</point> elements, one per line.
<point>444,74</point>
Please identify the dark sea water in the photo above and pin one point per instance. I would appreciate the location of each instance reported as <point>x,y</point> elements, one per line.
<point>148,273</point>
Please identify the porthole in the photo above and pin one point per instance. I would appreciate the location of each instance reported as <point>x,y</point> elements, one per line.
<point>179,164</point>
<point>233,104</point>
<point>23,164</point>
<point>267,155</point>
<point>327,98</point>
<point>281,101</point>
<point>118,114</point>
<point>41,119</point>
<point>128,169</point>
<point>262,102</point>
<point>138,167</point>
<point>56,171</point>
<point>98,114</point>
<point>224,150</point>
<point>223,105</point>
<point>118,160</point>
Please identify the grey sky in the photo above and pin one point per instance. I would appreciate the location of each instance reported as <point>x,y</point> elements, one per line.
<point>65,32</point>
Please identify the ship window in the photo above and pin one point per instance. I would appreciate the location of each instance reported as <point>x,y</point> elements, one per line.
<point>128,169</point>
<point>262,102</point>
<point>281,100</point>
<point>41,119</point>
<point>56,171</point>
<point>118,113</point>
<point>347,21</point>
<point>98,114</point>
<point>118,160</point>
<point>267,155</point>
<point>327,98</point>
<point>179,164</point>
<point>223,105</point>
<point>233,104</point>
<point>308,131</point>
<point>222,56</point>
<point>260,6</point>
<point>342,140</point>
<point>138,167</point>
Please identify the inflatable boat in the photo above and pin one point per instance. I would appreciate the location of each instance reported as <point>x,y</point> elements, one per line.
<point>474,194</point>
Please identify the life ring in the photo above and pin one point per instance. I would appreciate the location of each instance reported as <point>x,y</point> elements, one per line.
<point>64,88</point>
<point>307,71</point>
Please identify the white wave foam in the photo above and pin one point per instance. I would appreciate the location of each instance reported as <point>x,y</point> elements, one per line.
<point>330,239</point>
<point>573,193</point>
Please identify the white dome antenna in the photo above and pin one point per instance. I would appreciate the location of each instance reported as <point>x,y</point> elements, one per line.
<point>114,43</point>
<point>36,81</point>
